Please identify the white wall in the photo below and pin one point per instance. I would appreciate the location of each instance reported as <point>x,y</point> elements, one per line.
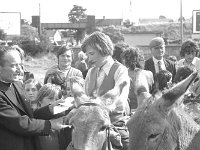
<point>10,22</point>
<point>57,36</point>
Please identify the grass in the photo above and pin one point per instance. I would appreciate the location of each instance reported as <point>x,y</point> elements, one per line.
<point>39,66</point>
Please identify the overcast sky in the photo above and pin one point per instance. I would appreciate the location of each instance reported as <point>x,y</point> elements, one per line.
<point>57,10</point>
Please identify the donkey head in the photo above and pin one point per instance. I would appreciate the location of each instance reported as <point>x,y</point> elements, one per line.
<point>156,124</point>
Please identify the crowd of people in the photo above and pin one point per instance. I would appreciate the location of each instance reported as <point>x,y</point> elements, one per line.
<point>27,121</point>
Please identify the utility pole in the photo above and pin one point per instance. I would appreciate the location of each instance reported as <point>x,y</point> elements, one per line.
<point>130,11</point>
<point>39,28</point>
<point>181,22</point>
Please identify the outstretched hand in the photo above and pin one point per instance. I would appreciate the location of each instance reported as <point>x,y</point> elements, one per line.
<point>57,124</point>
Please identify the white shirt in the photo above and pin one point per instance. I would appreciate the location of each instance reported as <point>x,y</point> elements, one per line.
<point>120,76</point>
<point>195,65</point>
<point>156,64</point>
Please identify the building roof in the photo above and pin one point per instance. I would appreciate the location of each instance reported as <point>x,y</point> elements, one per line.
<point>107,22</point>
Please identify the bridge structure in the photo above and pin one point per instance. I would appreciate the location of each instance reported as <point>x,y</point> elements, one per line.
<point>57,26</point>
<point>82,27</point>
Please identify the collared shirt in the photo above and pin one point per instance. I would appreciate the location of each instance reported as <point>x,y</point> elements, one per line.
<point>195,65</point>
<point>64,74</point>
<point>156,64</point>
<point>120,76</point>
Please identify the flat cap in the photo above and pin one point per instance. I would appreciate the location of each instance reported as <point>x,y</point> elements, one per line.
<point>157,41</point>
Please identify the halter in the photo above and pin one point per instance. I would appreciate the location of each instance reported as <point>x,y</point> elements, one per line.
<point>71,146</point>
<point>88,104</point>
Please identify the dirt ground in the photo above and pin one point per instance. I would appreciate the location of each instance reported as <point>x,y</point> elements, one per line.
<point>39,66</point>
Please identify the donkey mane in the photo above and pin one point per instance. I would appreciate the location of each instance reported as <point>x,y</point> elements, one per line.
<point>184,126</point>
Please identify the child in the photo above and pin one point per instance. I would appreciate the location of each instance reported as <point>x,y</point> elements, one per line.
<point>48,94</point>
<point>56,78</point>
<point>31,88</point>
<point>163,80</point>
<point>182,73</point>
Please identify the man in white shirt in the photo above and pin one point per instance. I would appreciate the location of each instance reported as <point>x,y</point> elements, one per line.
<point>106,75</point>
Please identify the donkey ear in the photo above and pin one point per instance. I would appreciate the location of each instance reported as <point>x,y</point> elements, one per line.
<point>175,93</point>
<point>76,88</point>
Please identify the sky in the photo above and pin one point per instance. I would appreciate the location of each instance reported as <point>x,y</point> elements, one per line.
<point>56,11</point>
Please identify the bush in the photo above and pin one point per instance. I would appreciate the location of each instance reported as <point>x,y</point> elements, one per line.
<point>32,49</point>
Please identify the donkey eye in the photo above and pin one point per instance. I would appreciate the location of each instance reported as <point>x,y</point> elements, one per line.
<point>153,136</point>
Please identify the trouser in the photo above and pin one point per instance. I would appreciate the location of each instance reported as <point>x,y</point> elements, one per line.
<point>122,129</point>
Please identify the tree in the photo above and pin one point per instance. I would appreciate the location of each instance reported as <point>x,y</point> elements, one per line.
<point>128,23</point>
<point>114,34</point>
<point>2,34</point>
<point>77,13</point>
<point>29,32</point>
<point>25,22</point>
<point>162,17</point>
<point>179,19</point>
<point>32,43</point>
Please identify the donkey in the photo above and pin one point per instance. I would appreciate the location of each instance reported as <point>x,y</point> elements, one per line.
<point>90,120</point>
<point>161,124</point>
<point>141,84</point>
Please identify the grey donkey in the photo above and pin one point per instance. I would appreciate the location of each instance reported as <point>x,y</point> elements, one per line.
<point>160,123</point>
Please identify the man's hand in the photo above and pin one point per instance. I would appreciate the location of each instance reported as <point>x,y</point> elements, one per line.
<point>57,124</point>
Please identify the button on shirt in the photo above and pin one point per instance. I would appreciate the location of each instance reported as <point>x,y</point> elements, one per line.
<point>156,61</point>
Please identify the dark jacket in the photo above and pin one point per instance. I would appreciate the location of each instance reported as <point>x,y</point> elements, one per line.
<point>64,135</point>
<point>18,129</point>
<point>170,66</point>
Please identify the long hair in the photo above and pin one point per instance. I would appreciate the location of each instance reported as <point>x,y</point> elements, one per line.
<point>188,47</point>
<point>118,50</point>
<point>162,78</point>
<point>132,58</point>
<point>100,42</point>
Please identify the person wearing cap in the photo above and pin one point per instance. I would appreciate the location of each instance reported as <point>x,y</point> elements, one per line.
<point>157,62</point>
